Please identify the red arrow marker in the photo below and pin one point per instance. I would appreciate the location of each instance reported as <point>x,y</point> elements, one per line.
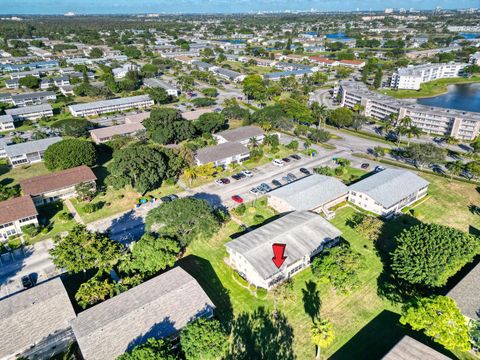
<point>278,251</point>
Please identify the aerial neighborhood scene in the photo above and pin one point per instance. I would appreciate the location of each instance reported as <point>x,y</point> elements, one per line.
<point>243,180</point>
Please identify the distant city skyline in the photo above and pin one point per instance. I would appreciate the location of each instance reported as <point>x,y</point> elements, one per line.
<point>55,7</point>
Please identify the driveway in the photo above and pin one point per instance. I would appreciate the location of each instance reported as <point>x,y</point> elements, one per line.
<point>34,260</point>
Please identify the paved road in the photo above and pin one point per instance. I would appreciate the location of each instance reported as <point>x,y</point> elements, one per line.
<point>35,260</point>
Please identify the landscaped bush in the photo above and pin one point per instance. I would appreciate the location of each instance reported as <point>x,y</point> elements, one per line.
<point>30,230</point>
<point>258,219</point>
<point>240,209</point>
<point>14,242</point>
<point>90,208</point>
<point>65,216</point>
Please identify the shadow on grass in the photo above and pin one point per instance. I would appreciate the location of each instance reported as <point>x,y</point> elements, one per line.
<point>203,272</point>
<point>379,336</point>
<point>261,335</point>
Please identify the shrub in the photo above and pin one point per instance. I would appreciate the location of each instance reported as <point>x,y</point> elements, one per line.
<point>65,216</point>
<point>258,219</point>
<point>90,208</point>
<point>14,242</point>
<point>240,209</point>
<point>30,230</point>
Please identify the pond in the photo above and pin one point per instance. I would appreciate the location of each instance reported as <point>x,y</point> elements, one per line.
<point>461,97</point>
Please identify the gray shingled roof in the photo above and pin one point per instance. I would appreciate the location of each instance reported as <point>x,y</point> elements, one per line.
<point>157,83</point>
<point>31,315</point>
<point>29,109</point>
<point>220,152</point>
<point>228,73</point>
<point>31,146</point>
<point>32,95</point>
<point>467,294</point>
<point>410,349</point>
<point>286,74</point>
<point>389,186</point>
<point>105,103</point>
<point>6,119</point>
<point>157,308</point>
<point>122,129</point>
<point>310,192</point>
<point>241,133</point>
<point>302,232</point>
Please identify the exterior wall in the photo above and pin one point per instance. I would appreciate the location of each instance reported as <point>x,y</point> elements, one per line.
<point>34,115</point>
<point>56,195</point>
<point>422,73</point>
<point>25,159</point>
<point>229,160</point>
<point>367,203</point>
<point>50,346</point>
<point>15,227</point>
<point>112,108</point>
<point>6,126</point>
<point>247,271</point>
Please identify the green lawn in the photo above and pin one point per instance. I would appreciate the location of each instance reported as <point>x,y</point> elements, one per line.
<point>50,219</point>
<point>11,176</point>
<point>111,202</point>
<point>365,323</point>
<point>431,88</point>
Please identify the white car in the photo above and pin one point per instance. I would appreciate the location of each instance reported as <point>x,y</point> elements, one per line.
<point>247,173</point>
<point>278,162</point>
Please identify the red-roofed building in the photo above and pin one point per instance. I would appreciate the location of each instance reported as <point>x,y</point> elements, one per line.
<point>323,61</point>
<point>355,64</point>
<point>16,213</point>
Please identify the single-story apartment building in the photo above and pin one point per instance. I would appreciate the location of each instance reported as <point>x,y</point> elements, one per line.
<point>467,294</point>
<point>58,185</point>
<point>136,117</point>
<point>222,154</point>
<point>26,99</point>
<point>195,114</point>
<point>241,135</point>
<point>105,134</point>
<point>304,233</point>
<point>29,152</point>
<point>3,153</point>
<point>31,112</point>
<point>16,213</point>
<point>276,76</point>
<point>153,83</point>
<point>35,323</point>
<point>316,193</point>
<point>228,74</point>
<point>159,307</point>
<point>106,106</point>
<point>387,192</point>
<point>6,123</point>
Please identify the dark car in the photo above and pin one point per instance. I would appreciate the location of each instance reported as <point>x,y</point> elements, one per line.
<point>27,281</point>
<point>238,176</point>
<point>305,171</point>
<point>365,165</point>
<point>287,160</point>
<point>166,199</point>
<point>287,179</point>
<point>225,181</point>
<point>295,156</point>
<point>276,183</point>
<point>173,197</point>
<point>291,176</point>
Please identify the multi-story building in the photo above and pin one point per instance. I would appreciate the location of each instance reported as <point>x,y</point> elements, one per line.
<point>57,186</point>
<point>106,106</point>
<point>459,124</point>
<point>412,77</point>
<point>305,235</point>
<point>30,112</point>
<point>29,152</point>
<point>387,192</point>
<point>6,123</point>
<point>26,99</point>
<point>475,58</point>
<point>16,213</point>
<point>228,74</point>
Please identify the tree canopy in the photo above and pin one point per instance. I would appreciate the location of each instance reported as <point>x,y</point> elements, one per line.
<point>203,339</point>
<point>73,127</point>
<point>429,254</point>
<point>153,349</point>
<point>141,167</point>
<point>70,153</point>
<point>210,123</point>
<point>166,126</point>
<point>341,117</point>
<point>185,219</point>
<point>440,319</point>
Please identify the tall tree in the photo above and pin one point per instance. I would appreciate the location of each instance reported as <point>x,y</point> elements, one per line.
<point>429,254</point>
<point>322,335</point>
<point>440,319</point>
<point>203,339</point>
<point>152,349</point>
<point>70,153</point>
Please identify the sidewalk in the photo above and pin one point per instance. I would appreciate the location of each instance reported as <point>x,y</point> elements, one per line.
<point>73,211</point>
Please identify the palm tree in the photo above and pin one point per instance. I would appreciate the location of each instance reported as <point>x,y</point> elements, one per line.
<point>406,122</point>
<point>411,132</point>
<point>386,126</point>
<point>455,168</point>
<point>253,142</point>
<point>319,113</point>
<point>306,144</point>
<point>322,335</point>
<point>266,126</point>
<point>393,117</point>
<point>190,174</point>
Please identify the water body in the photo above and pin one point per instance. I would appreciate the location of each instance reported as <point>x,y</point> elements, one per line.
<point>469,36</point>
<point>461,97</point>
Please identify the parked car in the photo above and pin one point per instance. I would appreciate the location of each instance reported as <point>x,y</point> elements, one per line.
<point>238,176</point>
<point>287,179</point>
<point>379,168</point>
<point>166,199</point>
<point>219,181</point>
<point>295,156</point>
<point>222,181</point>
<point>266,187</point>
<point>276,183</point>
<point>173,197</point>
<point>247,173</point>
<point>254,191</point>
<point>305,171</point>
<point>27,282</point>
<point>291,176</point>
<point>278,162</point>
<point>365,166</point>
<point>286,160</point>
<point>237,198</point>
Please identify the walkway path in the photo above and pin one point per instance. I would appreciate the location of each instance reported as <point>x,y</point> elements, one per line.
<point>73,211</point>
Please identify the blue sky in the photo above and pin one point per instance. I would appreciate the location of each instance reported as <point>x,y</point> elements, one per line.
<point>210,6</point>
